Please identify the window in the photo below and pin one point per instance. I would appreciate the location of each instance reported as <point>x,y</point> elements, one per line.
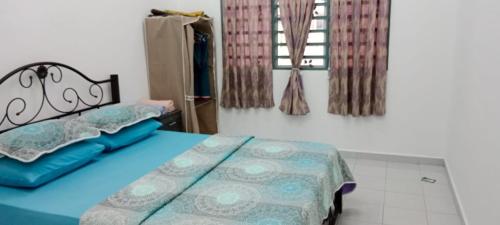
<point>316,52</point>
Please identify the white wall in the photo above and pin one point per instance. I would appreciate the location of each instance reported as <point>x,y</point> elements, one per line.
<point>419,90</point>
<point>95,36</point>
<point>104,37</point>
<point>474,150</point>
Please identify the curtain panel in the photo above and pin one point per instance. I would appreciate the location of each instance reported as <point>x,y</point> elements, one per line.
<point>247,37</point>
<point>296,17</point>
<point>358,54</point>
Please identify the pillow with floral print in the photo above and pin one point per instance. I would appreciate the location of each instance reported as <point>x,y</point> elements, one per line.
<point>111,119</point>
<point>30,142</point>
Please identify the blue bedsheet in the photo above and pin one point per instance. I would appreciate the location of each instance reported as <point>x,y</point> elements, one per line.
<point>62,202</point>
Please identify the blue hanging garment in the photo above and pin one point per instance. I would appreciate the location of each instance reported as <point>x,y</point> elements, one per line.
<point>201,77</point>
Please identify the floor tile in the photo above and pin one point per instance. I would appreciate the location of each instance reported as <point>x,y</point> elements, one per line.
<point>396,216</point>
<point>371,163</point>
<point>371,171</point>
<point>405,186</point>
<point>443,219</point>
<point>440,177</point>
<point>364,196</point>
<point>403,166</point>
<point>404,201</point>
<point>441,205</point>
<point>400,174</point>
<point>343,221</point>
<point>370,213</point>
<point>392,193</point>
<point>438,190</point>
<point>370,182</point>
<point>432,168</point>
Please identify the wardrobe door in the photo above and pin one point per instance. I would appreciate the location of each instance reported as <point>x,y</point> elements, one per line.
<point>170,47</point>
<point>169,56</point>
<point>164,69</point>
<point>207,117</point>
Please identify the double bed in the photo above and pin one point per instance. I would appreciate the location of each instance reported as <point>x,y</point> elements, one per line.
<point>312,176</point>
<point>63,201</point>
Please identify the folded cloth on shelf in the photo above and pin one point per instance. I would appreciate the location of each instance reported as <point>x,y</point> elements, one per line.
<point>190,14</point>
<point>168,105</point>
<point>157,12</point>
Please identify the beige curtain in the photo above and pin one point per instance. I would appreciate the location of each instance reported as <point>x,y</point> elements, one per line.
<point>247,79</point>
<point>296,16</point>
<point>358,55</point>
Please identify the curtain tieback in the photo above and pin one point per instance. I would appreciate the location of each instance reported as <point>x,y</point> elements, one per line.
<point>296,69</point>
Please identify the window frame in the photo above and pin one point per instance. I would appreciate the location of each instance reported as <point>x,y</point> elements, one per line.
<point>275,44</point>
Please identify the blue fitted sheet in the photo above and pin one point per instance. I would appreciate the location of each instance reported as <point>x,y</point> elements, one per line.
<point>64,200</point>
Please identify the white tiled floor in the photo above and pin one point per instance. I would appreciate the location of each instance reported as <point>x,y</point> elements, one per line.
<point>392,193</point>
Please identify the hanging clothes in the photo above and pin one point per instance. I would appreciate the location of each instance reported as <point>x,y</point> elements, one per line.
<point>201,76</point>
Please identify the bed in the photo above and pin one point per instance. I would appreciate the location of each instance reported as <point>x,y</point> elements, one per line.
<point>83,196</point>
<point>64,200</point>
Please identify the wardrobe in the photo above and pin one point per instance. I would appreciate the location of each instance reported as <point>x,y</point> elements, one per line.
<point>173,70</point>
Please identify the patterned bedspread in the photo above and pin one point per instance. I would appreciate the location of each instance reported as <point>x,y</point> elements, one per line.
<point>233,181</point>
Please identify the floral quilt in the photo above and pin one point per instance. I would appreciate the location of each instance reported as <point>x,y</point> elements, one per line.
<point>233,181</point>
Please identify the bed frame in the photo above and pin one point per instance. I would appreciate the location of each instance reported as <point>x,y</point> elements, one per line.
<point>35,77</point>
<point>337,210</point>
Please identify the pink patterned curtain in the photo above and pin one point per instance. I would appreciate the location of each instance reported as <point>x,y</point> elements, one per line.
<point>296,16</point>
<point>247,79</point>
<point>358,56</point>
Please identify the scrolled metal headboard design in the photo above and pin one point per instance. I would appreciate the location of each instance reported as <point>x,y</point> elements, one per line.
<point>43,72</point>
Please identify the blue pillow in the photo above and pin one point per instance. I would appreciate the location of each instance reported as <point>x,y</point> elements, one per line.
<point>128,135</point>
<point>48,167</point>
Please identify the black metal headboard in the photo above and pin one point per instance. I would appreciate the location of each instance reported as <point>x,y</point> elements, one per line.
<point>37,76</point>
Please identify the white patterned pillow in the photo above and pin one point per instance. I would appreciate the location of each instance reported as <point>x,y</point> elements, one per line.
<point>30,142</point>
<point>112,119</point>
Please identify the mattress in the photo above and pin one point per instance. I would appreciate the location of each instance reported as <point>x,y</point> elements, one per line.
<point>63,201</point>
